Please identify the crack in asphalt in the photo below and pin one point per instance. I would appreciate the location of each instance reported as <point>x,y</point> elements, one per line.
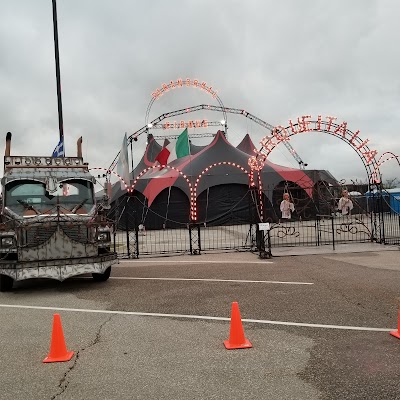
<point>64,382</point>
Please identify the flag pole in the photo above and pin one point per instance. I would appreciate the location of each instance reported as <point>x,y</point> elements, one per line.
<point>132,159</point>
<point>57,58</point>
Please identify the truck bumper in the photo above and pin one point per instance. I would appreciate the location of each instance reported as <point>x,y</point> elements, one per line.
<point>57,269</point>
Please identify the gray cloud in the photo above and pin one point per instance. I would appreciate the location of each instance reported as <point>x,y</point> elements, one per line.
<point>278,60</point>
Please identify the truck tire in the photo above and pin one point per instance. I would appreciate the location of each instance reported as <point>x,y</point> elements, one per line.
<point>102,277</point>
<point>6,283</point>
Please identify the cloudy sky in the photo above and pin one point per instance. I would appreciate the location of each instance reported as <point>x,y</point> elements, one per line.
<point>277,60</point>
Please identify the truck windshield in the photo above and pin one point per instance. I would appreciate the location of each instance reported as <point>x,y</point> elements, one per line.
<point>27,197</point>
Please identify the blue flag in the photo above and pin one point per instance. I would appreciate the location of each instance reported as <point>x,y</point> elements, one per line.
<point>59,150</point>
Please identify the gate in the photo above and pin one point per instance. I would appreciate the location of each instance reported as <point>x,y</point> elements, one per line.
<point>126,235</point>
<point>233,230</point>
<point>373,220</point>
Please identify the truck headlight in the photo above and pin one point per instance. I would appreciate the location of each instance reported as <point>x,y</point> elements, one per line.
<point>7,241</point>
<point>103,237</point>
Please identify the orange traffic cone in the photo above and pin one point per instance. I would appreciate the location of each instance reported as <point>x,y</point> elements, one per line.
<point>397,333</point>
<point>58,350</point>
<point>236,339</point>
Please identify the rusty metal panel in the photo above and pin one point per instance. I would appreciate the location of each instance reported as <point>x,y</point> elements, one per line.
<point>58,246</point>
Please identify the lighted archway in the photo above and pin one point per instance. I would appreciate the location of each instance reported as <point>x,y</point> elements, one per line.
<point>184,176</point>
<point>305,124</point>
<point>183,83</point>
<point>200,176</point>
<point>385,157</point>
<point>108,172</point>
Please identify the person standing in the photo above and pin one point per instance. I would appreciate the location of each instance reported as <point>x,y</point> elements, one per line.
<point>287,207</point>
<point>345,205</point>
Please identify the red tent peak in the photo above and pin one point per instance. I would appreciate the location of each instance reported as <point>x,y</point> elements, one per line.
<point>247,145</point>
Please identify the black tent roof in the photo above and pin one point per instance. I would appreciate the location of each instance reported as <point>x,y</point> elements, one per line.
<point>219,150</point>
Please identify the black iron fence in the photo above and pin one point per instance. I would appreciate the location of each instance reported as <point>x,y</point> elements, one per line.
<point>323,230</point>
<point>192,239</point>
<point>388,227</point>
<point>373,219</point>
<point>195,239</point>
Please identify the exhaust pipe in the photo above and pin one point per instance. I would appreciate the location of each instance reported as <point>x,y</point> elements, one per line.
<point>8,145</point>
<point>79,146</point>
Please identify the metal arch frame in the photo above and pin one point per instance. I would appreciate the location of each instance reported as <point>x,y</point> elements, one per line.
<point>391,157</point>
<point>134,136</point>
<point>209,123</point>
<point>184,176</point>
<point>371,168</point>
<point>257,162</point>
<point>153,99</point>
<point>108,172</point>
<point>192,187</point>
<point>380,162</point>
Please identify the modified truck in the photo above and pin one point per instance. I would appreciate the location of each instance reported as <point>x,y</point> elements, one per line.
<point>51,226</point>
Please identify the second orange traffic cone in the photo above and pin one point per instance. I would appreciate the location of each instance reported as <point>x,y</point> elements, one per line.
<point>236,339</point>
<point>397,333</point>
<point>58,349</point>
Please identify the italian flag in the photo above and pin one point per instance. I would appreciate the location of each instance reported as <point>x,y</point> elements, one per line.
<point>176,149</point>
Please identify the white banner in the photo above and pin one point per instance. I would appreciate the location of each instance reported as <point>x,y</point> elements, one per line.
<point>122,166</point>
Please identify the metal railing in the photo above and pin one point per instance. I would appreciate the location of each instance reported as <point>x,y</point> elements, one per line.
<point>323,230</point>
<point>373,219</point>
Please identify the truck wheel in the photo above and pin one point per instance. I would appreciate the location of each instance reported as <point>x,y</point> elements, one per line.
<point>102,277</point>
<point>6,283</point>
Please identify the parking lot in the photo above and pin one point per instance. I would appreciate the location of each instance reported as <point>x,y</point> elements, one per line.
<point>319,326</point>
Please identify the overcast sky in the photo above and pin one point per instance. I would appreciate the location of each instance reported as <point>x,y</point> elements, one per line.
<point>277,60</point>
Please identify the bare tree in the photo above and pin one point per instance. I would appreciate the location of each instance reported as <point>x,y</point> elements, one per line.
<point>390,183</point>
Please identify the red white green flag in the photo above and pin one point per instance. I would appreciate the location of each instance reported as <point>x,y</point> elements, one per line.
<point>175,149</point>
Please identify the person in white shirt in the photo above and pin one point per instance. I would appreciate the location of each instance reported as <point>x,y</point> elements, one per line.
<point>287,207</point>
<point>345,205</point>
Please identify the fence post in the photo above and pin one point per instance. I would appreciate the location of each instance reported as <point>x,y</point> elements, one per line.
<point>135,226</point>
<point>333,233</point>
<point>372,209</point>
<point>382,216</point>
<point>260,239</point>
<point>127,231</point>
<point>397,237</point>
<point>269,243</point>
<point>199,235</point>
<point>194,241</point>
<point>260,242</point>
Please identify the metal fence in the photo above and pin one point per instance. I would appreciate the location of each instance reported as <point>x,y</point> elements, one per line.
<point>388,227</point>
<point>372,221</point>
<point>322,230</point>
<point>192,239</point>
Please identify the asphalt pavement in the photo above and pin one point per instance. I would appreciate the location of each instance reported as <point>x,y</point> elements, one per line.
<point>319,325</point>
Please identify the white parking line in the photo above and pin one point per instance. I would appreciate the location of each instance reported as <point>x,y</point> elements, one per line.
<point>139,261</point>
<point>200,317</point>
<point>209,280</point>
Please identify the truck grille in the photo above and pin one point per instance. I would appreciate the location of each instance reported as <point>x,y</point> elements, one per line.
<point>37,235</point>
<point>78,233</point>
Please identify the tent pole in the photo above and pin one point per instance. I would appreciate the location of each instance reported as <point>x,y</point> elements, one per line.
<point>166,214</point>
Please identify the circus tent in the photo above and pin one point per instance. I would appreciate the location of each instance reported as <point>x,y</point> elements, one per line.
<point>219,174</point>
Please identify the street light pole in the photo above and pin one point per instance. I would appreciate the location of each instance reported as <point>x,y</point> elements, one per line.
<point>57,58</point>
